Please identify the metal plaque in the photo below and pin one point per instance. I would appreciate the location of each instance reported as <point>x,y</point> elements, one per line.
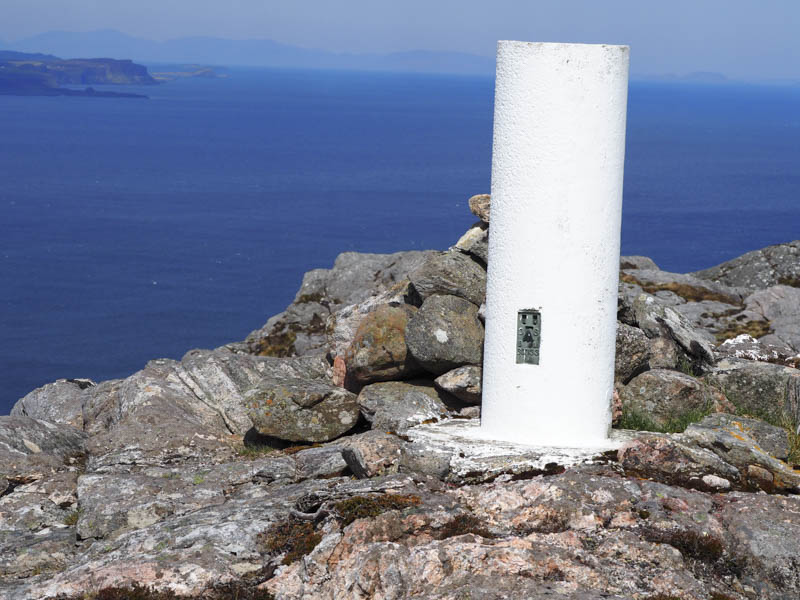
<point>529,336</point>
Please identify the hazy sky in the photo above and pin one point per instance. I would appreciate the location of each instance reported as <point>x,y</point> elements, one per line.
<point>753,39</point>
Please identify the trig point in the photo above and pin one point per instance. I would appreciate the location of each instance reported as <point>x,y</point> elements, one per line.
<point>557,167</point>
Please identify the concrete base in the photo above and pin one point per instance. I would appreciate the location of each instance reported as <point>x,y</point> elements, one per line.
<point>473,457</point>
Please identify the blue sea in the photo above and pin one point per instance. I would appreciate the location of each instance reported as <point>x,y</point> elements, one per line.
<point>135,229</point>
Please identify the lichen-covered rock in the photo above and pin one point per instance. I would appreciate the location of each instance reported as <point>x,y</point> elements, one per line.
<point>670,460</point>
<point>637,262</point>
<point>663,397</point>
<point>445,333</point>
<point>31,449</point>
<point>763,390</point>
<point>780,307</point>
<point>373,453</point>
<point>301,328</point>
<point>769,438</point>
<point>378,351</point>
<point>450,273</point>
<point>57,402</point>
<point>632,353</point>
<point>463,382</point>
<point>480,205</point>
<point>298,410</point>
<point>657,320</point>
<point>396,406</point>
<point>748,347</point>
<point>759,269</point>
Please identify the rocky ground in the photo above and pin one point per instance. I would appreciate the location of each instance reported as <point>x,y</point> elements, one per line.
<point>307,460</point>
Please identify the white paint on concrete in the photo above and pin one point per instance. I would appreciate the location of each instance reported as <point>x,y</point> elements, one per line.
<point>557,166</point>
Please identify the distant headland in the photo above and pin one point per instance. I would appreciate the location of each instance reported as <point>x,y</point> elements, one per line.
<point>23,74</point>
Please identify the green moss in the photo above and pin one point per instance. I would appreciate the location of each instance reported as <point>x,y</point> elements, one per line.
<point>756,329</point>
<point>293,537</point>
<point>637,421</point>
<point>360,507</point>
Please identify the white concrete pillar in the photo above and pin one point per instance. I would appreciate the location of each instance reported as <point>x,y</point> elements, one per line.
<point>557,165</point>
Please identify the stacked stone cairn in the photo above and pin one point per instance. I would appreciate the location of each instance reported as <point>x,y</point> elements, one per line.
<point>287,465</point>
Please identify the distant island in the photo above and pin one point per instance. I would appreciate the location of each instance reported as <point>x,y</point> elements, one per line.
<point>165,73</point>
<point>24,74</point>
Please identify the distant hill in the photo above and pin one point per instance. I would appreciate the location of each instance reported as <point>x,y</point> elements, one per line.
<point>254,52</point>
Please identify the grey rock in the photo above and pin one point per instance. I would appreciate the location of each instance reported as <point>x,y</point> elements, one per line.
<point>757,468</point>
<point>373,454</point>
<point>324,462</point>
<point>475,242</point>
<point>396,406</point>
<point>57,402</point>
<point>450,273</point>
<point>763,534</point>
<point>748,347</point>
<point>759,269</point>
<point>769,438</point>
<point>480,205</point>
<point>30,554</point>
<point>780,306</point>
<point>668,459</point>
<point>657,320</point>
<point>632,353</point>
<point>662,396</point>
<point>355,277</point>
<point>341,326</point>
<point>463,382</point>
<point>764,390</point>
<point>687,287</point>
<point>298,410</point>
<point>637,262</point>
<point>445,333</point>
<point>378,351</point>
<point>30,449</point>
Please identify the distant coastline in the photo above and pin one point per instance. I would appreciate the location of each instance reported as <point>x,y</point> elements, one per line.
<point>23,74</point>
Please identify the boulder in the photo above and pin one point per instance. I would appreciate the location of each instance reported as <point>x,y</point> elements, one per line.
<point>450,273</point>
<point>764,390</point>
<point>769,438</point>
<point>637,262</point>
<point>298,410</point>
<point>445,333</point>
<point>355,277</point>
<point>378,351</point>
<point>57,402</point>
<point>396,406</point>
<point>373,454</point>
<point>779,306</point>
<point>667,459</point>
<point>748,347</point>
<point>632,353</point>
<point>480,205</point>
<point>30,448</point>
<point>667,397</point>
<point>760,269</point>
<point>475,242</point>
<point>656,320</point>
<point>464,383</point>
<point>341,326</point>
